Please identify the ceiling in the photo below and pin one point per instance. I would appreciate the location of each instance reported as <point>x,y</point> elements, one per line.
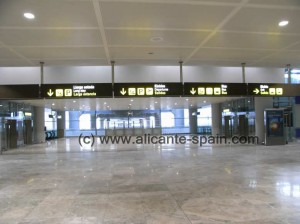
<point>150,32</point>
<point>150,103</point>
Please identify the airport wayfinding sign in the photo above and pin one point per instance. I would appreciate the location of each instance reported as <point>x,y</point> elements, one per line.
<point>87,90</point>
<point>19,91</point>
<point>259,89</point>
<point>215,89</point>
<point>147,89</point>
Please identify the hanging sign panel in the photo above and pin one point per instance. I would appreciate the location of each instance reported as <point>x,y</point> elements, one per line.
<point>215,89</point>
<point>258,89</point>
<point>88,90</point>
<point>147,89</point>
<point>19,91</point>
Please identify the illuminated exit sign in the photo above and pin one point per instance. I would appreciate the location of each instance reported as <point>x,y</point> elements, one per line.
<point>76,90</point>
<point>147,89</point>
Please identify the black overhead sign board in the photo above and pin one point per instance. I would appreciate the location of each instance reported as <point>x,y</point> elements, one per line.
<point>87,90</point>
<point>147,89</point>
<point>273,90</point>
<point>19,91</point>
<point>215,89</point>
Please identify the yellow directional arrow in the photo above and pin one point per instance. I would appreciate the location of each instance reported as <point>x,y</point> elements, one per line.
<point>123,91</point>
<point>193,91</point>
<point>256,91</point>
<point>50,93</point>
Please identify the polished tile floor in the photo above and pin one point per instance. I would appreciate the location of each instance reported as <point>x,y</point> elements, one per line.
<point>60,182</point>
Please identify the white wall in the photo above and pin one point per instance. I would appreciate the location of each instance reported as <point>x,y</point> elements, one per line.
<point>79,74</point>
<point>19,75</point>
<point>147,74</point>
<point>232,74</point>
<point>97,74</point>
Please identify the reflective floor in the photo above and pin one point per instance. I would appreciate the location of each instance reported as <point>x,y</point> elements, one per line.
<point>60,182</point>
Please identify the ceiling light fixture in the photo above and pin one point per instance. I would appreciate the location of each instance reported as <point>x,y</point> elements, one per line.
<point>156,39</point>
<point>283,23</point>
<point>29,15</point>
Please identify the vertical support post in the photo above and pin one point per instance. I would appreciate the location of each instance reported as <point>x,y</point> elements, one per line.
<point>42,77</point>
<point>181,72</point>
<point>112,74</point>
<point>289,70</point>
<point>42,72</point>
<point>243,73</point>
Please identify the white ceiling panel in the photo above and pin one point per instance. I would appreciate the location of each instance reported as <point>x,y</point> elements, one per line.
<point>7,54</point>
<point>214,62</point>
<point>161,15</point>
<point>48,13</point>
<point>49,37</point>
<point>230,54</point>
<point>251,40</point>
<point>143,37</point>
<point>71,62</point>
<point>285,57</point>
<point>295,46</point>
<point>14,63</point>
<point>83,32</point>
<point>150,53</point>
<point>276,2</point>
<point>148,62</point>
<point>264,20</point>
<point>63,52</point>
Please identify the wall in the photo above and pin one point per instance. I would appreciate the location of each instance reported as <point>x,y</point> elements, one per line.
<point>97,74</point>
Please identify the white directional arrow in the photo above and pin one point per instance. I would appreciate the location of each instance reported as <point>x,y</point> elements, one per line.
<point>123,91</point>
<point>256,91</point>
<point>50,93</point>
<point>193,91</point>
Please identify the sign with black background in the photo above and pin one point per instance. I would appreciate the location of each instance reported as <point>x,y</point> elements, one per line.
<point>147,89</point>
<point>215,89</point>
<point>19,91</point>
<point>273,90</point>
<point>87,90</point>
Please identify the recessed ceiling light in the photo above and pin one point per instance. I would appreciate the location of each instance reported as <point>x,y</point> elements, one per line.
<point>156,39</point>
<point>131,100</point>
<point>187,99</point>
<point>29,15</point>
<point>53,104</point>
<point>283,23</point>
<point>74,101</point>
<point>204,101</point>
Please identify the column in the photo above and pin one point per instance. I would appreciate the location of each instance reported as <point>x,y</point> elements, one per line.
<point>296,116</point>
<point>260,104</point>
<point>193,120</point>
<point>93,121</point>
<point>61,124</point>
<point>216,119</point>
<point>179,117</point>
<point>39,125</point>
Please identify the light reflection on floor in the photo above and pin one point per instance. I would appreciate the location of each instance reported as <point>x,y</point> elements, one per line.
<point>62,182</point>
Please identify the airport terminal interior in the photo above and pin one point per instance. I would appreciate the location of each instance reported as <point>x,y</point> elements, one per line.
<point>149,111</point>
